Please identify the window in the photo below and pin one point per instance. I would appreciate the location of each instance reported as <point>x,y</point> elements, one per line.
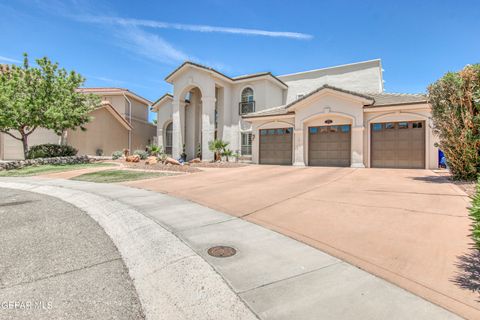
<point>271,131</point>
<point>345,128</point>
<point>247,103</point>
<point>247,143</point>
<point>389,125</point>
<point>417,125</point>
<point>403,125</point>
<point>168,138</point>
<point>377,127</point>
<point>313,130</point>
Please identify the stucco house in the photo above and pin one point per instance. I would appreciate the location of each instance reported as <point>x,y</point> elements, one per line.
<point>337,116</point>
<point>120,122</point>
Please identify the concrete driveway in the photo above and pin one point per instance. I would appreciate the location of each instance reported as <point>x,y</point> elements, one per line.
<point>410,227</point>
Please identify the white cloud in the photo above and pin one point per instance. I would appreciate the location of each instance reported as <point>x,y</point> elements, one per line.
<point>149,45</point>
<point>5,59</point>
<point>193,27</point>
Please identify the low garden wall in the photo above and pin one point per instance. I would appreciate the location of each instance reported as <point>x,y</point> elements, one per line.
<point>39,161</point>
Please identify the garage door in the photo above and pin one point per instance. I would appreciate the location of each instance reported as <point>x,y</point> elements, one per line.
<point>398,145</point>
<point>329,146</point>
<point>276,146</point>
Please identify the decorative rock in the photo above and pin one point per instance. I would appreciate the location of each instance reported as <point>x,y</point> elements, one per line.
<point>196,160</point>
<point>39,161</point>
<point>172,161</point>
<point>134,158</point>
<point>151,160</point>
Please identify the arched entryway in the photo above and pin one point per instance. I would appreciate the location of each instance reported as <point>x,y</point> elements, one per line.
<point>168,139</point>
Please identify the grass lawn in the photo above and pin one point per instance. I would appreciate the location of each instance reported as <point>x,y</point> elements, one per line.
<point>50,168</point>
<point>112,176</point>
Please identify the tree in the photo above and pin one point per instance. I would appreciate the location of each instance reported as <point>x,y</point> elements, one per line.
<point>455,100</point>
<point>45,96</point>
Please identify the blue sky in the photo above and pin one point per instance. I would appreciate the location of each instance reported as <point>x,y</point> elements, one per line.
<point>135,44</point>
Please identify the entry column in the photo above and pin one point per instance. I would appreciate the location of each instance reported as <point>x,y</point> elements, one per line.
<point>298,147</point>
<point>208,126</point>
<point>357,147</point>
<point>178,119</point>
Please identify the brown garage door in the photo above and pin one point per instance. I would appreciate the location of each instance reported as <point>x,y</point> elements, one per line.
<point>398,145</point>
<point>276,146</point>
<point>329,146</point>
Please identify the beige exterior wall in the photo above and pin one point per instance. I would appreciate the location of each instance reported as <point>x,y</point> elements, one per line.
<point>11,149</point>
<point>142,134</point>
<point>103,132</point>
<point>118,102</point>
<point>359,77</point>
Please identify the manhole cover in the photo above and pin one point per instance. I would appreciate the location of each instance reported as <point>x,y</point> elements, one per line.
<point>221,251</point>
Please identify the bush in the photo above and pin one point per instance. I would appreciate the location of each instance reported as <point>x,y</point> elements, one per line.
<point>154,150</point>
<point>475,215</point>
<point>51,150</point>
<point>455,100</point>
<point>143,154</point>
<point>117,155</point>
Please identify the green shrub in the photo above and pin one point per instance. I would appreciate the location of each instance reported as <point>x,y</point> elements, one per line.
<point>51,150</point>
<point>154,150</point>
<point>475,215</point>
<point>455,100</point>
<point>117,155</point>
<point>143,154</point>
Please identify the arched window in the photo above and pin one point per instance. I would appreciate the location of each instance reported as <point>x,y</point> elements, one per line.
<point>247,103</point>
<point>168,138</point>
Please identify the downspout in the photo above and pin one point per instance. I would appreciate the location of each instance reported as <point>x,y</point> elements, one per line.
<point>129,121</point>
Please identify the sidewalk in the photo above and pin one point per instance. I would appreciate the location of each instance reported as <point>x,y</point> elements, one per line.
<point>275,276</point>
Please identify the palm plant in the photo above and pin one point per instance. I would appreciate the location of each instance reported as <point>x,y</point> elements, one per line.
<point>227,153</point>
<point>154,150</point>
<point>217,146</point>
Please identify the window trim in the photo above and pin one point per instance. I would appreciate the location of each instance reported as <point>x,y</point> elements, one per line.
<point>247,102</point>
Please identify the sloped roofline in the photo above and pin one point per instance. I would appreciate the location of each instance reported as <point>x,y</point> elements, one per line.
<point>224,76</point>
<point>107,105</point>
<point>114,90</point>
<point>325,87</point>
<point>156,105</point>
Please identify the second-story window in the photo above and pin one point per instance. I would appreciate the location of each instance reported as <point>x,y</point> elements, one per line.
<point>247,104</point>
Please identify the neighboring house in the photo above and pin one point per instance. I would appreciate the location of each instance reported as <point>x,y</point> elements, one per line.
<point>120,122</point>
<point>130,112</point>
<point>336,116</point>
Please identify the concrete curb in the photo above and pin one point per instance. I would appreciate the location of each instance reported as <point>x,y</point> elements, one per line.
<point>171,280</point>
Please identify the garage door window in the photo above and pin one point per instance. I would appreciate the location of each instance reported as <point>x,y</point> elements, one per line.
<point>377,127</point>
<point>345,129</point>
<point>417,125</point>
<point>403,125</point>
<point>389,125</point>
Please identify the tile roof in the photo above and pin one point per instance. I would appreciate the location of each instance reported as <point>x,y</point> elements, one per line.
<point>383,99</point>
<point>386,99</point>
<point>253,75</point>
<point>114,90</point>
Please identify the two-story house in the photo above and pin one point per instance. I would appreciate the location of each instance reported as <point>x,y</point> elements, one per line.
<point>119,122</point>
<point>338,116</point>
